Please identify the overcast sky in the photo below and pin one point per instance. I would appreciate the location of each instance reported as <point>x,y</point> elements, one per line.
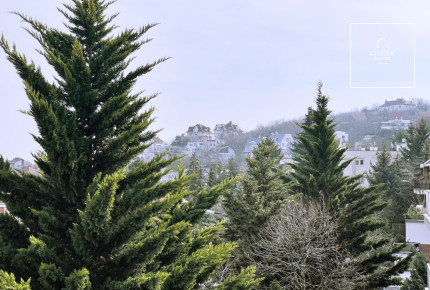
<point>251,62</point>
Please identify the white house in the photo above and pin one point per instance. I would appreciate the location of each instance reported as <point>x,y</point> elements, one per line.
<point>362,163</point>
<point>200,132</point>
<point>158,146</point>
<point>342,138</point>
<point>396,124</point>
<point>225,154</point>
<point>226,130</point>
<point>418,230</point>
<point>284,142</point>
<point>396,105</point>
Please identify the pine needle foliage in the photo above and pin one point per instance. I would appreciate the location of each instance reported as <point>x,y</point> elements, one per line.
<point>86,222</point>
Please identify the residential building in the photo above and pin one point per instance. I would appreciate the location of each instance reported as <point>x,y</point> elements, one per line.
<point>200,132</point>
<point>397,105</point>
<point>250,145</point>
<point>362,163</point>
<point>225,154</point>
<point>284,142</point>
<point>418,226</point>
<point>158,146</point>
<point>226,130</point>
<point>396,124</point>
<point>342,138</point>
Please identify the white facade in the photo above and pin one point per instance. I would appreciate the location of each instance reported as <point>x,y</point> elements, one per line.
<point>342,138</point>
<point>396,124</point>
<point>362,163</point>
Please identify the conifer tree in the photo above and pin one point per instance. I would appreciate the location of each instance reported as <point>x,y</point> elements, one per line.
<point>86,223</point>
<point>319,164</point>
<point>396,189</point>
<point>417,148</point>
<point>197,181</point>
<point>261,195</point>
<point>318,176</point>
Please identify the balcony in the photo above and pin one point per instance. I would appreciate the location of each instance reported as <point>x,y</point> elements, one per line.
<point>422,184</point>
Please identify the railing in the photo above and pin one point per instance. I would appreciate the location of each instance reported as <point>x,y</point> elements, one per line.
<point>422,184</point>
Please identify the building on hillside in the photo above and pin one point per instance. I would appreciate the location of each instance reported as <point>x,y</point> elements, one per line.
<point>225,154</point>
<point>396,105</point>
<point>202,146</point>
<point>362,163</point>
<point>19,163</point>
<point>226,130</point>
<point>158,146</point>
<point>396,124</point>
<point>200,132</point>
<point>342,138</point>
<point>284,142</point>
<point>368,143</point>
<point>250,145</point>
<point>418,226</point>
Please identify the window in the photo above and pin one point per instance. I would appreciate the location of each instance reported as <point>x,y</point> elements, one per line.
<point>359,162</point>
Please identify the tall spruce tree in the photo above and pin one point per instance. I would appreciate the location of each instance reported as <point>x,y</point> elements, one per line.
<point>86,223</point>
<point>417,148</point>
<point>261,195</point>
<point>197,181</point>
<point>318,167</point>
<point>318,176</point>
<point>394,184</point>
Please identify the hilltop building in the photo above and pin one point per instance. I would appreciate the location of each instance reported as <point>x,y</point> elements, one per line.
<point>226,130</point>
<point>284,142</point>
<point>396,105</point>
<point>200,132</point>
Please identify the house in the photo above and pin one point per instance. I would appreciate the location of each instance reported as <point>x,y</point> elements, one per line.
<point>250,145</point>
<point>362,163</point>
<point>226,130</point>
<point>19,163</point>
<point>418,226</point>
<point>225,154</point>
<point>367,143</point>
<point>284,142</point>
<point>396,124</point>
<point>396,105</point>
<point>158,146</point>
<point>200,132</point>
<point>342,138</point>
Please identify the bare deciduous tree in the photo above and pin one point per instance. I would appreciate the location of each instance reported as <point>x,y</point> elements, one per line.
<point>298,249</point>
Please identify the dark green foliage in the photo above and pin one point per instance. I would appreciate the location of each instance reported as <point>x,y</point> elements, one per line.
<point>319,164</point>
<point>216,174</point>
<point>418,278</point>
<point>394,184</point>
<point>197,181</point>
<point>180,141</point>
<point>417,150</point>
<point>261,194</point>
<point>86,222</point>
<point>320,177</point>
<point>232,170</point>
<point>416,136</point>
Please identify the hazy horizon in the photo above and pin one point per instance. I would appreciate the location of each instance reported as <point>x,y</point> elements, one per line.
<point>250,62</point>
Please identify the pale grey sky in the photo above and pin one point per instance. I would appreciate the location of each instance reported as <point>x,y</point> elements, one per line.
<point>251,62</point>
